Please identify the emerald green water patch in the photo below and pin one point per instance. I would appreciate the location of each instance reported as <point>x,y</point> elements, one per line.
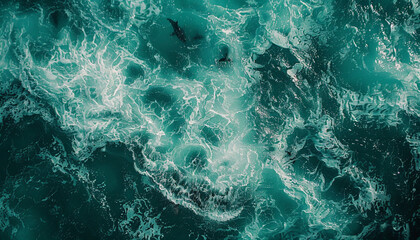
<point>59,19</point>
<point>195,158</point>
<point>160,96</point>
<point>133,72</point>
<point>213,136</point>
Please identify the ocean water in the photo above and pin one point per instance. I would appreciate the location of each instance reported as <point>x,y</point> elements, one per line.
<point>111,127</point>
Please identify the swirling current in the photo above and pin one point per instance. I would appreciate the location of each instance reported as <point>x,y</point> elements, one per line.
<point>212,119</point>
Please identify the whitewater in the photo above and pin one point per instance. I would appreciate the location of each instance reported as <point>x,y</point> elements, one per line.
<point>213,119</point>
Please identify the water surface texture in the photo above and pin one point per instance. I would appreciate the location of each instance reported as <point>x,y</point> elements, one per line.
<point>257,119</point>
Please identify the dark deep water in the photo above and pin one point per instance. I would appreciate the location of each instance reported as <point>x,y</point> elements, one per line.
<point>111,128</point>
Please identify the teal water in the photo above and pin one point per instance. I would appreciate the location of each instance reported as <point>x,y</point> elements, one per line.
<point>112,128</point>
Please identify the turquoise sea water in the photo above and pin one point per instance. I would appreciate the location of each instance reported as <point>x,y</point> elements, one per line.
<point>112,128</point>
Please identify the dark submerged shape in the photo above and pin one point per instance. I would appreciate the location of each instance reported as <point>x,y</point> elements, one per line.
<point>224,51</point>
<point>178,31</point>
